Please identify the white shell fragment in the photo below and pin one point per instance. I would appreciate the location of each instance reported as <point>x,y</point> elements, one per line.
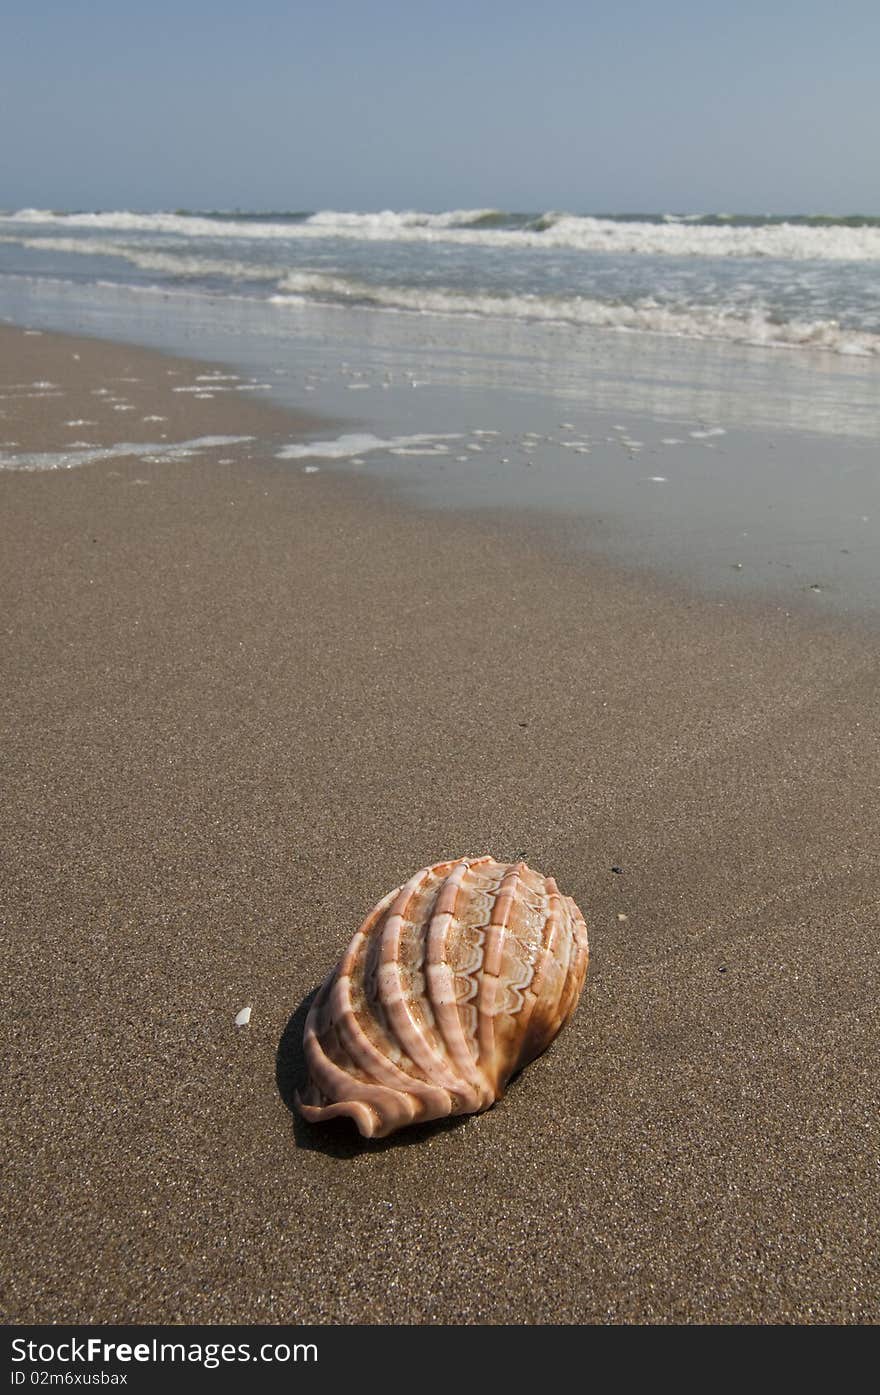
<point>243,1018</point>
<point>454,982</point>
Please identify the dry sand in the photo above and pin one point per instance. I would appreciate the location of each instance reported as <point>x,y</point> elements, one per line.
<point>239,703</point>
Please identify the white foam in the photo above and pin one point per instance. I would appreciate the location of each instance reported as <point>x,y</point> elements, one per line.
<point>20,392</point>
<point>170,262</point>
<point>10,389</point>
<point>70,459</point>
<point>727,323</point>
<point>422,451</point>
<point>352,444</point>
<point>200,388</point>
<point>679,238</point>
<point>389,221</point>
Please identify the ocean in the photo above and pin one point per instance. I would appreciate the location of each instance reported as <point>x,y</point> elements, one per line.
<point>807,283</point>
<point>702,391</point>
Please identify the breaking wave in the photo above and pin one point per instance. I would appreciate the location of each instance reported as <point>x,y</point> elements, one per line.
<point>757,327</point>
<point>798,239</point>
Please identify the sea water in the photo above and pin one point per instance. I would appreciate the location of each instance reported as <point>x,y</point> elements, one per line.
<point>705,389</point>
<point>796,282</point>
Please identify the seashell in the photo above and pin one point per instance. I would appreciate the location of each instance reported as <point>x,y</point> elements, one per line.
<point>454,982</point>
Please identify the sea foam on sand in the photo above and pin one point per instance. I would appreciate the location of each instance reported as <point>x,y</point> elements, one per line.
<point>344,447</point>
<point>70,459</point>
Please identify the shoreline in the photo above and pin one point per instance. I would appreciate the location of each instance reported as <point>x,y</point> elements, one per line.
<point>114,392</point>
<point>595,518</point>
<point>240,704</point>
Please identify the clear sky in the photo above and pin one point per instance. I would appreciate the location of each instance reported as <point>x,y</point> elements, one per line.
<point>690,105</point>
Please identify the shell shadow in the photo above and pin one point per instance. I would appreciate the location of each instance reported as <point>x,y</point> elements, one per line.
<point>339,1139</point>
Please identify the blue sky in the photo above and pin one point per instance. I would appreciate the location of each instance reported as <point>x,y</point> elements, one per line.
<point>686,105</point>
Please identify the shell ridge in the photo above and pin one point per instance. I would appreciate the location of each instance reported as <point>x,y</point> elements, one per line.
<point>440,984</point>
<point>532,996</point>
<point>369,1011</point>
<point>367,1055</point>
<point>406,1029</point>
<point>332,1081</point>
<point>371,1112</point>
<point>579,959</point>
<point>368,1121</point>
<point>570,985</point>
<point>567,977</point>
<point>489,981</point>
<point>545,955</point>
<point>363,933</point>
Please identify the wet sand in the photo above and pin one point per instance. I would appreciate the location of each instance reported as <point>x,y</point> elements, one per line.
<point>239,703</point>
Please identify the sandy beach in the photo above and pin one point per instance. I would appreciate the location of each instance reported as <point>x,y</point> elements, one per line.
<point>240,702</point>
